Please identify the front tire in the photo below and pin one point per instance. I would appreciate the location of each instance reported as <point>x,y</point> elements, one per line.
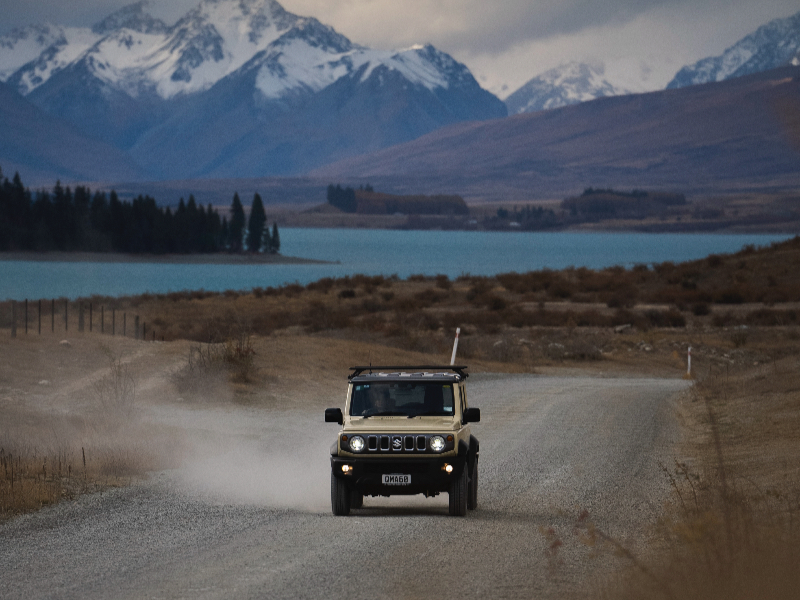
<point>472,494</point>
<point>458,495</point>
<point>356,499</point>
<point>340,497</point>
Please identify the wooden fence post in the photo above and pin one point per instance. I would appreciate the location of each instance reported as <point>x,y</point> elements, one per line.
<point>80,317</point>
<point>144,331</point>
<point>90,317</point>
<point>53,316</point>
<point>136,327</point>
<point>102,319</point>
<point>113,321</point>
<point>124,324</point>
<point>40,317</point>
<point>26,316</point>
<point>13,318</point>
<point>66,315</point>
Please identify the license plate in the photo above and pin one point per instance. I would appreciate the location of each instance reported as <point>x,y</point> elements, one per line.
<point>396,479</point>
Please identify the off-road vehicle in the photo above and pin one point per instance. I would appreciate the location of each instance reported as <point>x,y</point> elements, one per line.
<point>405,430</point>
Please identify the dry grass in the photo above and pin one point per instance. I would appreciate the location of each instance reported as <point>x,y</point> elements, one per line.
<point>734,530</point>
<point>31,478</point>
<point>77,431</point>
<point>210,368</point>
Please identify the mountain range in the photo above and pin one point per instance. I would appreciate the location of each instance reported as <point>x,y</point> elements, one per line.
<point>774,45</point>
<point>235,88</point>
<point>244,89</point>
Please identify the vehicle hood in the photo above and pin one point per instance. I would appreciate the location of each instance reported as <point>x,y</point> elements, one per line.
<point>399,424</point>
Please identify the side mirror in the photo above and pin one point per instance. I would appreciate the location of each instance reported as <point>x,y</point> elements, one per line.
<point>471,415</point>
<point>334,415</point>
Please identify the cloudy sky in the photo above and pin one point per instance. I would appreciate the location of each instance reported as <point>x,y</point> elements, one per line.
<point>504,42</point>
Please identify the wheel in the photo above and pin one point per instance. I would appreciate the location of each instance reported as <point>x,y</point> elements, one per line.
<point>340,497</point>
<point>472,493</point>
<point>356,499</point>
<point>458,494</point>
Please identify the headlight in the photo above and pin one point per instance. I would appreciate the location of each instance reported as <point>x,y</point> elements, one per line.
<point>357,443</point>
<point>437,443</point>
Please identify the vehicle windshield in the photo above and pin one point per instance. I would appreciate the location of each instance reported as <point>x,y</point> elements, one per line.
<point>410,399</point>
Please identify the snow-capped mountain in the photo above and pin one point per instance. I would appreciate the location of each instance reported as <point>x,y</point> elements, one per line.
<point>130,78</point>
<point>570,83</point>
<point>773,45</point>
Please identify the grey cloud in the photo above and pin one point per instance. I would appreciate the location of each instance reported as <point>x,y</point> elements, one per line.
<point>498,26</point>
<point>20,13</point>
<point>480,26</point>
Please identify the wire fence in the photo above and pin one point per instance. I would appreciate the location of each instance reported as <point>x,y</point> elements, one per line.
<point>40,317</point>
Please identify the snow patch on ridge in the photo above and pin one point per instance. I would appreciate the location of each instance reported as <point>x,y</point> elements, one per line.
<point>570,83</point>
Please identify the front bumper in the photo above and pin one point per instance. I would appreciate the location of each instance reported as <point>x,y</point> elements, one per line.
<point>428,475</point>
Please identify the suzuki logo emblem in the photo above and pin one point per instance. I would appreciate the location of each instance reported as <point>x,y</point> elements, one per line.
<point>397,443</point>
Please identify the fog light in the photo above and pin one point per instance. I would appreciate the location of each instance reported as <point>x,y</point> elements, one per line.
<point>347,469</point>
<point>448,468</point>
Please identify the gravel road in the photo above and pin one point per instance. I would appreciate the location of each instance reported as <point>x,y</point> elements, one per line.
<point>249,514</point>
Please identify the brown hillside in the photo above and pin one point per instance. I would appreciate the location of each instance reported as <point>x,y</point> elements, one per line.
<point>717,138</point>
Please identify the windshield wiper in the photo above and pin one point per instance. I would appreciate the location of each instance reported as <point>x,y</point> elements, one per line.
<point>429,413</point>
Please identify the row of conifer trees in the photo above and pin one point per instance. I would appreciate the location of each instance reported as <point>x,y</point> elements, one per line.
<point>77,220</point>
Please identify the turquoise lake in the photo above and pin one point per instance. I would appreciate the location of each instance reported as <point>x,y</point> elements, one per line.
<point>372,252</point>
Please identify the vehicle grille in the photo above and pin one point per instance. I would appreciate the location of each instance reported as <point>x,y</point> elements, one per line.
<point>398,444</point>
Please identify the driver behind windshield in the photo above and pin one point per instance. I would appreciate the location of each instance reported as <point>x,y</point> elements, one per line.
<point>409,399</point>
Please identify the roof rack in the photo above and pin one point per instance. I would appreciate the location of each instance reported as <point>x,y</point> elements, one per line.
<point>458,369</point>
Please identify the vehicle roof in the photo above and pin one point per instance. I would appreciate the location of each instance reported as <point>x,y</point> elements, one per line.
<point>419,376</point>
<point>404,373</point>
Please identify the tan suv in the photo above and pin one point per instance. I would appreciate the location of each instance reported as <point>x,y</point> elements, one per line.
<point>405,430</point>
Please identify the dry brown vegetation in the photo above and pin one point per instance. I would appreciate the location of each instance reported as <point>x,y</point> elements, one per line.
<point>724,306</point>
<point>733,530</point>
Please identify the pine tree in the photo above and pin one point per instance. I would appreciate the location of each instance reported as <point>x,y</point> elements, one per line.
<point>255,225</point>
<point>266,239</point>
<point>275,246</point>
<point>236,225</point>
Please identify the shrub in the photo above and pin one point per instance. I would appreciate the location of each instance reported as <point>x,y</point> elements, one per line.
<point>319,317</point>
<point>443,282</point>
<point>667,318</point>
<point>323,285</point>
<point>494,302</point>
<point>116,391</point>
<point>730,296</point>
<point>714,261</point>
<point>739,338</point>
<point>371,305</point>
<point>292,290</point>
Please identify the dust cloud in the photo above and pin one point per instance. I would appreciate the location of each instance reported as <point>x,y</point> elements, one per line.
<point>276,459</point>
<point>112,414</point>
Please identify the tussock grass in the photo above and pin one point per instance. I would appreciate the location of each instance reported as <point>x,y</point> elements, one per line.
<point>210,367</point>
<point>734,530</point>
<point>32,477</point>
<point>46,457</point>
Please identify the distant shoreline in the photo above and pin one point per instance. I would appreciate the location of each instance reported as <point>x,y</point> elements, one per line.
<point>179,259</point>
